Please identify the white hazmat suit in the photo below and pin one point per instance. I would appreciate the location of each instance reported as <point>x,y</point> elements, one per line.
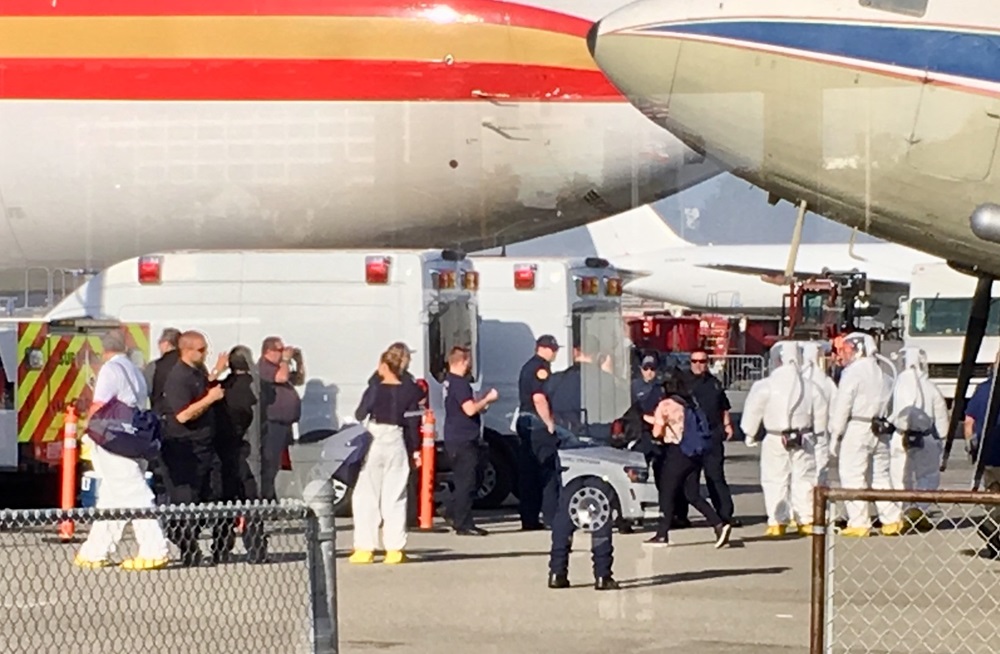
<point>919,414</point>
<point>822,384</point>
<point>788,409</point>
<point>863,394</point>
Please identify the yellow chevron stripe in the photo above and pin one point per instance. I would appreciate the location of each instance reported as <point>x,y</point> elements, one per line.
<point>50,412</point>
<point>24,386</point>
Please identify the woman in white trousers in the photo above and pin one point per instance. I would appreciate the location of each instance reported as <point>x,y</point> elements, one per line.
<point>390,405</point>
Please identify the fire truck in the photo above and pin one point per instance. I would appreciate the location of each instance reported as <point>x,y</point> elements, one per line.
<point>47,366</point>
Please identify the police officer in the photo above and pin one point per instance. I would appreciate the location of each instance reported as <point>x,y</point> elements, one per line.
<point>565,391</point>
<point>533,409</point>
<point>646,384</point>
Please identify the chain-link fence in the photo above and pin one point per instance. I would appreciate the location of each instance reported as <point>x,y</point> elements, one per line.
<point>240,578</point>
<point>932,589</point>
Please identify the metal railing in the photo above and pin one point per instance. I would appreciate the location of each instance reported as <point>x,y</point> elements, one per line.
<point>270,587</point>
<point>932,589</point>
<point>738,371</point>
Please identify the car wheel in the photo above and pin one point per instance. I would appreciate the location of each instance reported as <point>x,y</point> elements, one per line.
<point>497,481</point>
<point>592,505</point>
<point>341,498</point>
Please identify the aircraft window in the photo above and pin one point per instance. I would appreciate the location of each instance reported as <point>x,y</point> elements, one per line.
<point>908,7</point>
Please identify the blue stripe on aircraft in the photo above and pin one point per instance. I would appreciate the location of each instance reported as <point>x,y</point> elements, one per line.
<point>970,55</point>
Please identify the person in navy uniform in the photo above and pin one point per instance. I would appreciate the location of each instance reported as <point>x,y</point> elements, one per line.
<point>533,408</point>
<point>463,439</point>
<point>565,392</point>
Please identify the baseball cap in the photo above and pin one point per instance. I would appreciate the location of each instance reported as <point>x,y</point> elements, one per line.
<point>547,340</point>
<point>649,361</point>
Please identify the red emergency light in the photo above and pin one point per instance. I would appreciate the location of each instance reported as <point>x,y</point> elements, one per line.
<point>612,286</point>
<point>425,389</point>
<point>588,285</point>
<point>443,279</point>
<point>149,269</point>
<point>524,276</point>
<point>470,280</point>
<point>377,270</point>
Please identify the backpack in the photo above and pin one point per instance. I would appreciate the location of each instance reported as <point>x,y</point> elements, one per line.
<point>124,430</point>
<point>697,437</point>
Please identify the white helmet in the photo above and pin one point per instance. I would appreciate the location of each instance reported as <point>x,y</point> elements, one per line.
<point>784,353</point>
<point>814,352</point>
<point>912,357</point>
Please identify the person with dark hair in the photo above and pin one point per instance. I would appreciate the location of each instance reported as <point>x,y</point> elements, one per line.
<point>232,442</point>
<point>682,427</point>
<point>281,407</point>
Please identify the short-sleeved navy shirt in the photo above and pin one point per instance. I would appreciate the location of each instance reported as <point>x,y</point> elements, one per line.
<point>459,427</point>
<point>184,386</point>
<point>976,409</point>
<point>532,380</point>
<point>565,392</point>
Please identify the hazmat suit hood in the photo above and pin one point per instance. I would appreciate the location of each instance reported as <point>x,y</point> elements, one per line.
<point>913,358</point>
<point>813,354</point>
<point>862,346</point>
<point>785,353</point>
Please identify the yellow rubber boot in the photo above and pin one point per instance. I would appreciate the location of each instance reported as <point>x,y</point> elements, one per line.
<point>145,564</point>
<point>793,526</point>
<point>81,562</point>
<point>775,531</point>
<point>893,529</point>
<point>394,557</point>
<point>362,557</point>
<point>805,530</point>
<point>856,532</point>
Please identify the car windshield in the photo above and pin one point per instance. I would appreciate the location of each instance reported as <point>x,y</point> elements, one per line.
<point>947,316</point>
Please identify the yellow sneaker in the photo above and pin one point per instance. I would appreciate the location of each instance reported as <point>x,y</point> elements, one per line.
<point>892,529</point>
<point>805,530</point>
<point>81,562</point>
<point>394,557</point>
<point>793,526</point>
<point>775,531</point>
<point>145,564</point>
<point>362,556</point>
<point>855,532</point>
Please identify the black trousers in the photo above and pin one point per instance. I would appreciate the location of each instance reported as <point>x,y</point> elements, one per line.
<point>467,470</point>
<point>528,476</point>
<point>545,448</point>
<point>239,484</point>
<point>274,438</point>
<point>680,473</point>
<point>714,465</point>
<point>192,477</point>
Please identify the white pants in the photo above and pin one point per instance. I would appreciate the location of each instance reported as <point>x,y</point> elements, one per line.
<point>787,478</point>
<point>380,493</point>
<point>822,453</point>
<point>861,455</point>
<point>916,469</point>
<point>122,486</point>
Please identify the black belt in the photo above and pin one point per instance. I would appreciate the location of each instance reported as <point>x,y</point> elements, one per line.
<point>786,432</point>
<point>918,432</point>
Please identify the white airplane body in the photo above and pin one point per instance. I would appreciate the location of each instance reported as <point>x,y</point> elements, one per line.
<point>659,265</point>
<point>879,114</point>
<point>127,127</point>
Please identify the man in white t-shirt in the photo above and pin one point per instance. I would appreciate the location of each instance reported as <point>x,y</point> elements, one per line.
<point>122,480</point>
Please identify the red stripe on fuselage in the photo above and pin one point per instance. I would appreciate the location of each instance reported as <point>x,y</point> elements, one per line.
<point>303,80</point>
<point>486,11</point>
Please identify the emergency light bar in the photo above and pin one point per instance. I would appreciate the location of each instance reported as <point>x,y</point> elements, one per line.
<point>524,276</point>
<point>443,279</point>
<point>470,280</point>
<point>149,269</point>
<point>377,269</point>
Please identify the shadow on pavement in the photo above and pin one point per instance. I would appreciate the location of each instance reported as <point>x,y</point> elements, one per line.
<point>698,575</point>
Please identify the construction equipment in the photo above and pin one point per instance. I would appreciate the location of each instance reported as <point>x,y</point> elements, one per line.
<point>823,307</point>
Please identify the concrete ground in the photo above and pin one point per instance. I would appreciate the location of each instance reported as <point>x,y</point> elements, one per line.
<point>457,594</point>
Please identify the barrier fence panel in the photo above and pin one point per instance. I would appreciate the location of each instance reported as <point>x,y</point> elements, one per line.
<point>738,371</point>
<point>248,601</point>
<point>931,590</point>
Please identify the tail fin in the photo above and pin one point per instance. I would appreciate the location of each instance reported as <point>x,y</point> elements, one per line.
<point>638,231</point>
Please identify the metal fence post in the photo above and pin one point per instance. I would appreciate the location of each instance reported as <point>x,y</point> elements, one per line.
<point>818,601</point>
<point>322,560</point>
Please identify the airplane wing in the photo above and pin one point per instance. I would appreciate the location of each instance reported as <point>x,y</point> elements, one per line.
<point>630,275</point>
<point>772,274</point>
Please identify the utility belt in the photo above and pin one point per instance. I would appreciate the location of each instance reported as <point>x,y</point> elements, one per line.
<point>880,426</point>
<point>913,439</point>
<point>792,439</point>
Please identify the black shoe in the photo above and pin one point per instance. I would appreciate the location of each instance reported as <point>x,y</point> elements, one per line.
<point>680,523</point>
<point>657,541</point>
<point>606,583</point>
<point>736,523</point>
<point>988,553</point>
<point>472,531</point>
<point>535,527</point>
<point>560,580</point>
<point>624,527</point>
<point>722,533</point>
<point>220,557</point>
<point>840,523</point>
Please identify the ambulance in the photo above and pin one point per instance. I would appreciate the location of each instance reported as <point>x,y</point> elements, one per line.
<point>46,366</point>
<point>575,300</point>
<point>341,308</point>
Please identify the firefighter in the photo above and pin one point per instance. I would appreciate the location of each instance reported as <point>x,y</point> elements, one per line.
<point>533,409</point>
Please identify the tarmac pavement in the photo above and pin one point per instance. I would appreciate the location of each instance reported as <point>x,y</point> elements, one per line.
<point>456,594</point>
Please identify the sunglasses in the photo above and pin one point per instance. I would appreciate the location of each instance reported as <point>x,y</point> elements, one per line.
<point>693,361</point>
<point>649,367</point>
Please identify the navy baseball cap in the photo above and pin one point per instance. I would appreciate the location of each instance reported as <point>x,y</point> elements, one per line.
<point>649,362</point>
<point>547,340</point>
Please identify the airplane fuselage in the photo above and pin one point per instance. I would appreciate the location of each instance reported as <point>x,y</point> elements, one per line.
<point>880,120</point>
<point>127,127</point>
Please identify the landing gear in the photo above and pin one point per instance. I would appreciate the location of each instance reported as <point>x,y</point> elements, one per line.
<point>978,317</point>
